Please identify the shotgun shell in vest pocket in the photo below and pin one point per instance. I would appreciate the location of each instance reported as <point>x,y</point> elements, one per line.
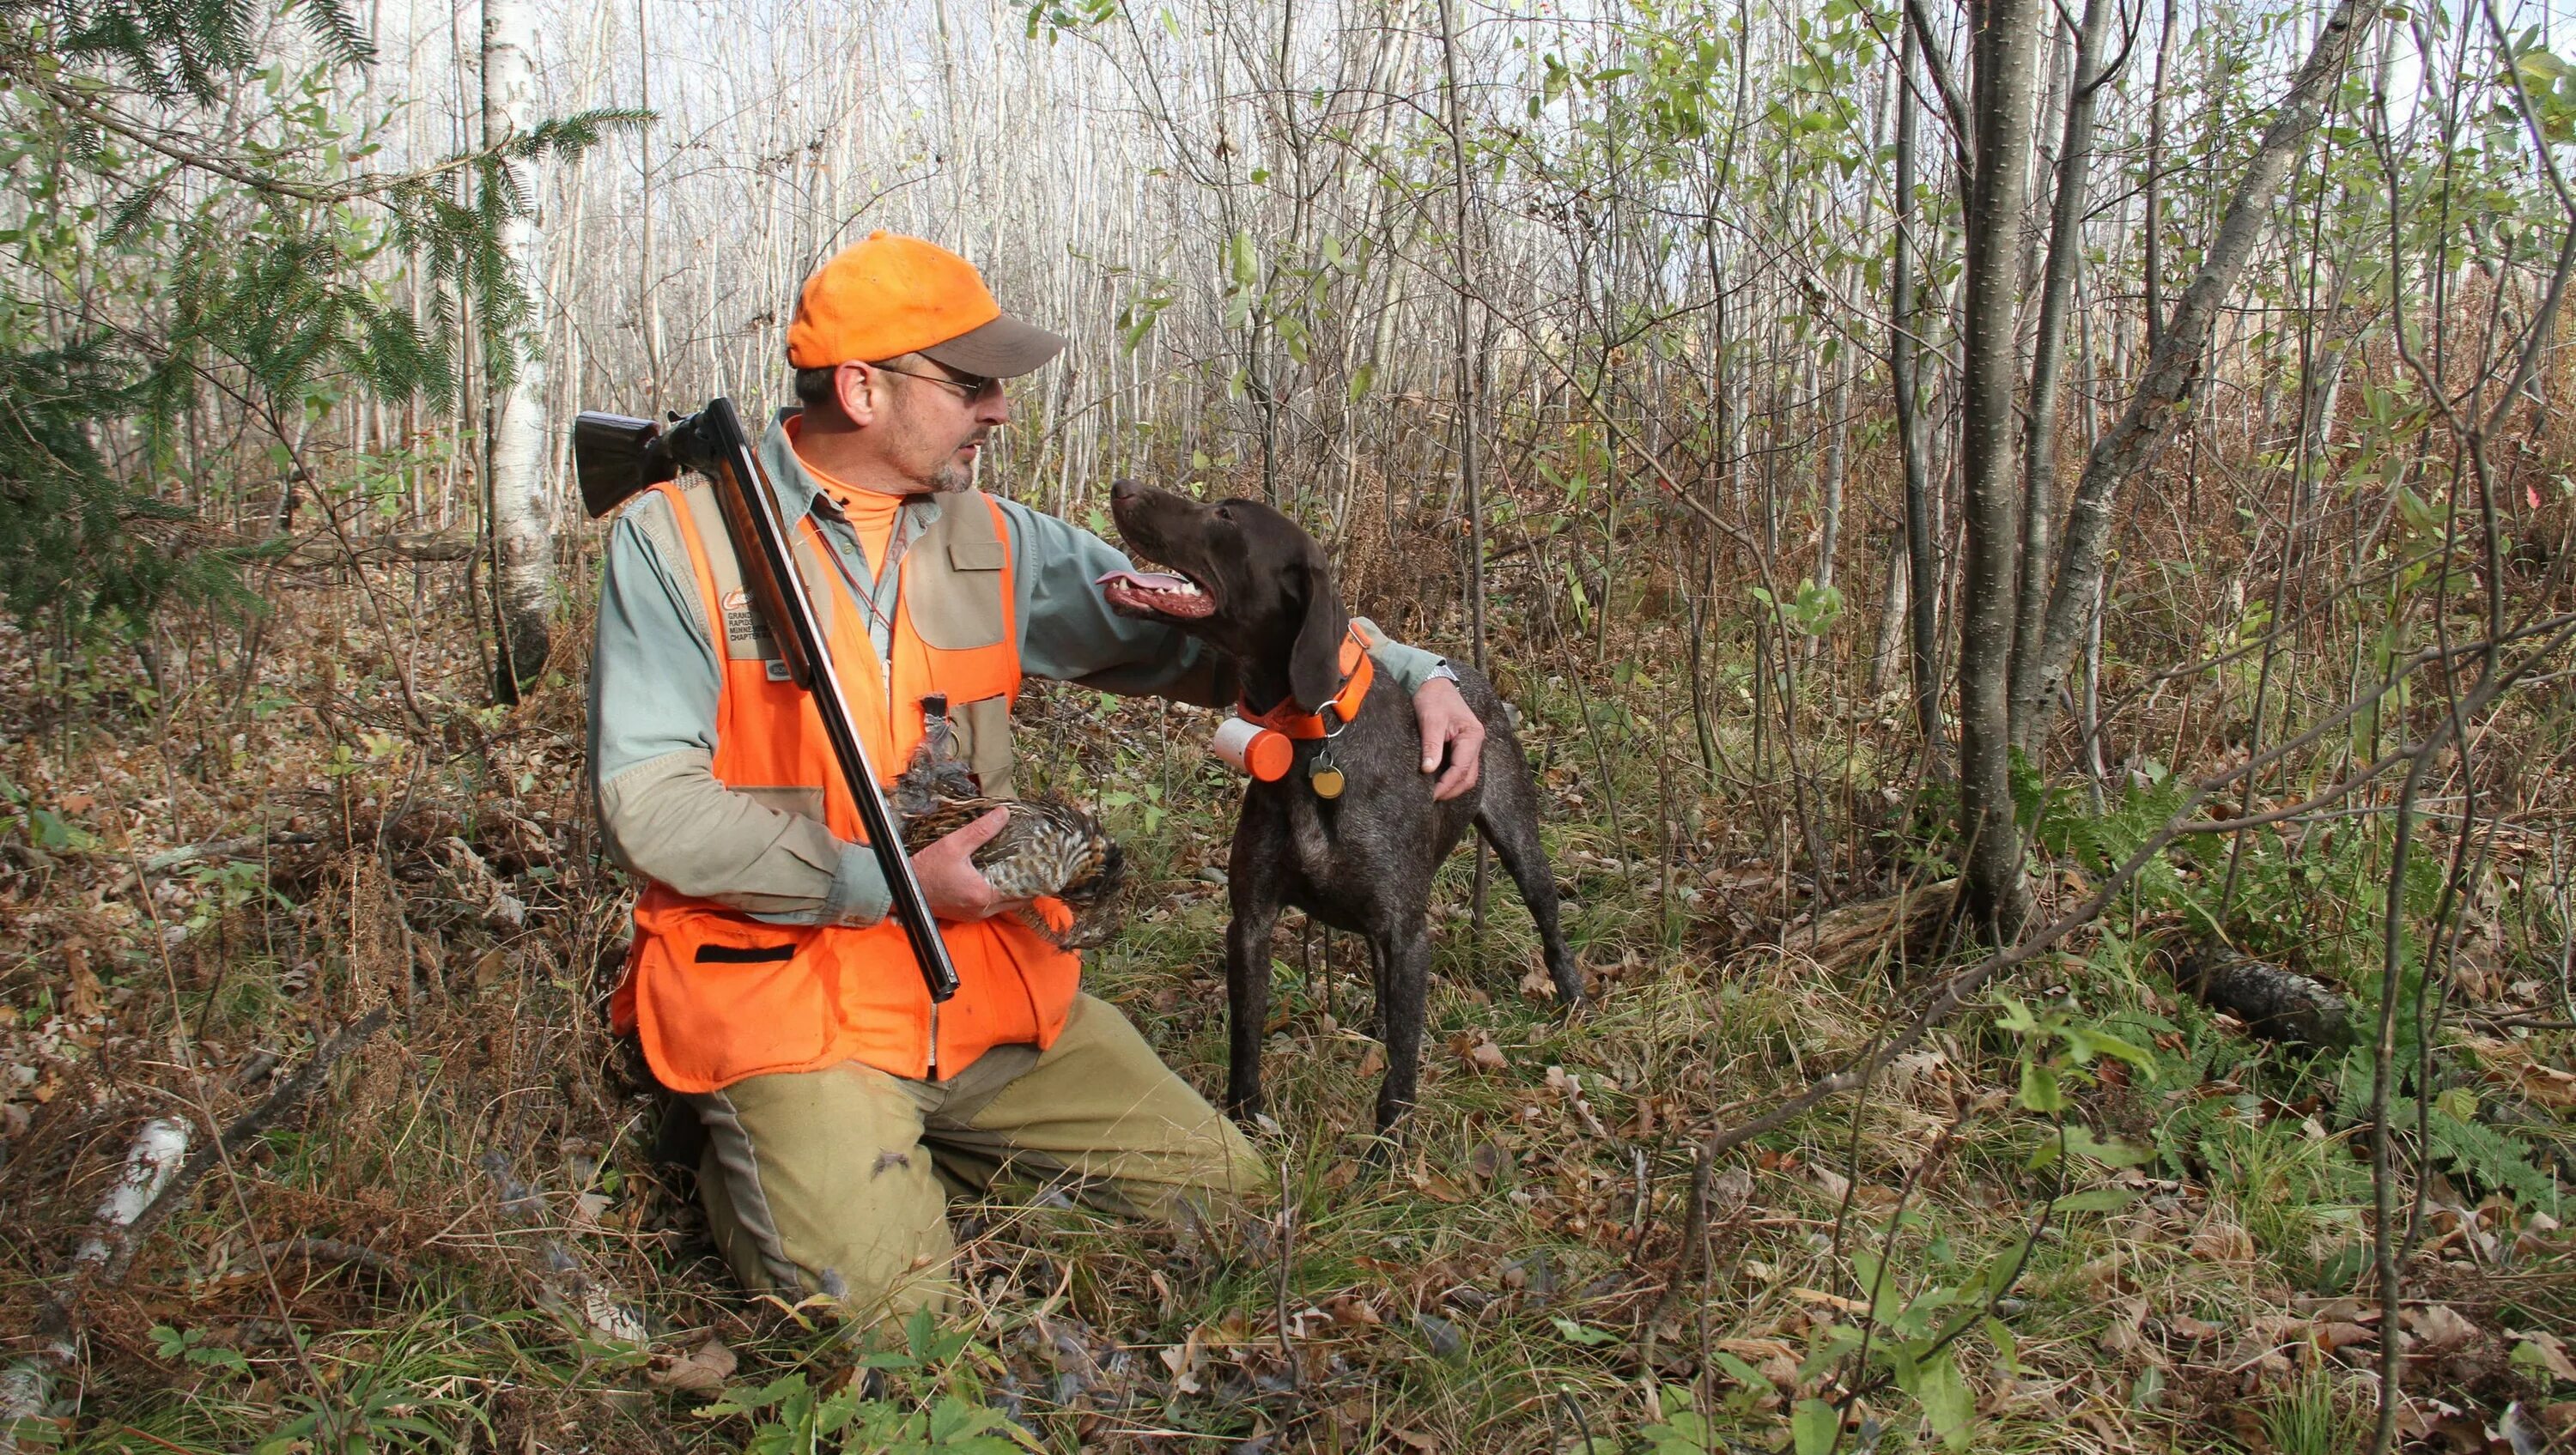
<point>1257,750</point>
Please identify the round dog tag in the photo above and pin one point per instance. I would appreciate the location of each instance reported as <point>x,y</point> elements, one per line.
<point>1326,780</point>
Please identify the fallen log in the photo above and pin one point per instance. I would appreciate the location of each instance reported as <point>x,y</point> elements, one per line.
<point>150,1164</point>
<point>2274,1003</point>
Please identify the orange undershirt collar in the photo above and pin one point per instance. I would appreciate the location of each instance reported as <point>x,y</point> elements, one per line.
<point>871,513</point>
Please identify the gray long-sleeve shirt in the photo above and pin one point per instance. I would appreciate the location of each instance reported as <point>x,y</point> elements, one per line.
<point>654,679</point>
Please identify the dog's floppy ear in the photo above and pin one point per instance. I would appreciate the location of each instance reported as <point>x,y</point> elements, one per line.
<point>1315,663</point>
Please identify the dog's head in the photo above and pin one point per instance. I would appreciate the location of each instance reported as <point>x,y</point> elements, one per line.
<point>1244,578</point>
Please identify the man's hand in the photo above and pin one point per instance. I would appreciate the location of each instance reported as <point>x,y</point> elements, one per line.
<point>955,888</point>
<point>1450,730</point>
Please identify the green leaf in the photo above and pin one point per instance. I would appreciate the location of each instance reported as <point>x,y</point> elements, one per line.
<point>2094,1200</point>
<point>1737,1370</point>
<point>2039,1089</point>
<point>1946,1399</point>
<point>2081,1142</point>
<point>2000,1335</point>
<point>1814,1427</point>
<point>1578,1334</point>
<point>2093,1042</point>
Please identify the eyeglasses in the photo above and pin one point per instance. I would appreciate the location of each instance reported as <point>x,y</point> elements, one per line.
<point>969,387</point>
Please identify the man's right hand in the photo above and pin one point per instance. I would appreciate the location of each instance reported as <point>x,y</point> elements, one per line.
<point>955,888</point>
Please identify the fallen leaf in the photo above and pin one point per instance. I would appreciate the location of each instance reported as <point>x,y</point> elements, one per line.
<point>1184,1363</point>
<point>1729,1190</point>
<point>2121,1335</point>
<point>84,1002</point>
<point>1478,1050</point>
<point>2220,1242</point>
<point>2440,1326</point>
<point>2339,1335</point>
<point>1372,1061</point>
<point>702,1371</point>
<point>1352,1312</point>
<point>2548,1352</point>
<point>2195,1330</point>
<point>1829,1300</point>
<point>1437,1188</point>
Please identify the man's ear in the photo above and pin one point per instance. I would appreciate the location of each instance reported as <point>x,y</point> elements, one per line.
<point>1315,662</point>
<point>854,387</point>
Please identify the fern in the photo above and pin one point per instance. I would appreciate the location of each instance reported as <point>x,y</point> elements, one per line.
<point>2487,1157</point>
<point>2478,1152</point>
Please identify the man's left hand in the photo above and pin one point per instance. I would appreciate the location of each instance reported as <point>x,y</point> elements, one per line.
<point>1450,731</point>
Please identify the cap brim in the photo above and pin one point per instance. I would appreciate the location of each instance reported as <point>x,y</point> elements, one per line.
<point>1003,349</point>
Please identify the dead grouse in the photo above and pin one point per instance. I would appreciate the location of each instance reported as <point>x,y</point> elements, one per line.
<point>1049,847</point>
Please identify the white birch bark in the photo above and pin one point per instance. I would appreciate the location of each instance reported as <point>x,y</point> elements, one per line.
<point>515,445</point>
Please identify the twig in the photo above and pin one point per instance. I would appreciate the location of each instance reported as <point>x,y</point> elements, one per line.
<point>1287,1248</point>
<point>334,1250</point>
<point>245,1127</point>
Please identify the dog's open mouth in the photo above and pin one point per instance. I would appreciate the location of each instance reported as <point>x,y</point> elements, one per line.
<point>1157,593</point>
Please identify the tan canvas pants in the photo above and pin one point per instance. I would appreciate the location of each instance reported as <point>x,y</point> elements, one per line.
<point>837,1180</point>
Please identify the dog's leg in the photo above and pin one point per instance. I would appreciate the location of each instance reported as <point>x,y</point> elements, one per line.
<point>1247,991</point>
<point>1508,818</point>
<point>1404,981</point>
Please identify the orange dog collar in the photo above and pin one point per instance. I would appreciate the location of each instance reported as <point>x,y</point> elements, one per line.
<point>1358,671</point>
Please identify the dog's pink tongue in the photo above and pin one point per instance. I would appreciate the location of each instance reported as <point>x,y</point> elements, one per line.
<point>1146,580</point>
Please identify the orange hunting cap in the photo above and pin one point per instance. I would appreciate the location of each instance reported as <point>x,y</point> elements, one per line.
<point>892,295</point>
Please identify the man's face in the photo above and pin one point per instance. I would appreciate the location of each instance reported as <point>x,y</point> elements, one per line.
<point>927,422</point>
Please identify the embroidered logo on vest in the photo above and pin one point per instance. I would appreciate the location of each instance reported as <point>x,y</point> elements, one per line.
<point>746,635</point>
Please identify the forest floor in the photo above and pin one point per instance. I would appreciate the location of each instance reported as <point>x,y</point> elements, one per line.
<point>459,1241</point>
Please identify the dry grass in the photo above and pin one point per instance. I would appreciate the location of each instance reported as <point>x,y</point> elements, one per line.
<point>1492,1284</point>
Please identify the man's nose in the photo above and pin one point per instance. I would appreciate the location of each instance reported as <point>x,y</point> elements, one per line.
<point>994,408</point>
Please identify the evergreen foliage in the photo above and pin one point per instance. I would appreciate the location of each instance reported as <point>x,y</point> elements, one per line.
<point>159,251</point>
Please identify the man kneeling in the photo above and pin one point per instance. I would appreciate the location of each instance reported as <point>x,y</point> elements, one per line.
<point>767,984</point>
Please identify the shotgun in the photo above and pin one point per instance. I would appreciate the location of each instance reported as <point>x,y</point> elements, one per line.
<point>616,457</point>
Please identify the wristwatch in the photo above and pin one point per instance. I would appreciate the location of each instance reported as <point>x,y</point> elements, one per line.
<point>1443,670</point>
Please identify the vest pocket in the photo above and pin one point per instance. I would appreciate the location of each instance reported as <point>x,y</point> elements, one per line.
<point>743,998</point>
<point>984,738</point>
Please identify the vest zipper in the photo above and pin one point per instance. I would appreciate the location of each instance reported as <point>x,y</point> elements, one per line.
<point>933,1074</point>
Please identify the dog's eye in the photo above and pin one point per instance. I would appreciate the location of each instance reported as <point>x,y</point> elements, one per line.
<point>1225,512</point>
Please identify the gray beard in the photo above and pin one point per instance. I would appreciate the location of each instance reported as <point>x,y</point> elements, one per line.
<point>951,477</point>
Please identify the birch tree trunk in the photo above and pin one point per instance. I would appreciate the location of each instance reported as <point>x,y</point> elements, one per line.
<point>515,439</point>
<point>2005,47</point>
<point>2174,364</point>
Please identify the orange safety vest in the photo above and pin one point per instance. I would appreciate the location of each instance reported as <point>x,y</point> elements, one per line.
<point>717,996</point>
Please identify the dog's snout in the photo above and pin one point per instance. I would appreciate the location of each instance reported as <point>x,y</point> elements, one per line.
<point>1124,489</point>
